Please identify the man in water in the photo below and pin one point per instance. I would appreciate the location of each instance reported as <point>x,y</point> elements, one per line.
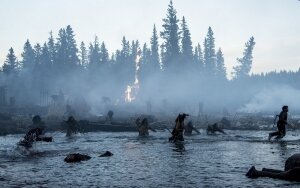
<point>188,129</point>
<point>291,171</point>
<point>109,117</point>
<point>211,129</point>
<point>282,121</point>
<point>177,133</point>
<point>35,134</point>
<point>143,127</point>
<point>72,126</point>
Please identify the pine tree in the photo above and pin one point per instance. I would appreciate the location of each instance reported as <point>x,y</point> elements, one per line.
<point>11,65</point>
<point>45,68</point>
<point>94,55</point>
<point>154,56</point>
<point>83,55</point>
<point>221,70</point>
<point>243,68</point>
<point>51,47</point>
<point>146,55</point>
<point>201,60</point>
<point>196,55</point>
<point>209,53</point>
<point>171,36</point>
<point>72,50</point>
<point>104,56</point>
<point>61,46</point>
<point>186,43</point>
<point>37,54</point>
<point>28,56</point>
<point>46,59</point>
<point>125,52</point>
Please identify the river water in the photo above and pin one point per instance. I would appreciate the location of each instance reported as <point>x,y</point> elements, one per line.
<point>200,161</point>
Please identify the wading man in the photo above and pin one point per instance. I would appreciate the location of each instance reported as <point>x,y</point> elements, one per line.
<point>282,121</point>
<point>177,133</point>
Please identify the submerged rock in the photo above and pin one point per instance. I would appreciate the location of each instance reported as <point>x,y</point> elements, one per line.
<point>106,154</point>
<point>76,157</point>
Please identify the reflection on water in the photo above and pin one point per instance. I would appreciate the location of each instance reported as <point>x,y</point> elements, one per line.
<point>199,161</point>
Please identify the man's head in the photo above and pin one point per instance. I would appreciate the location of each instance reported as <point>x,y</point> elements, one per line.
<point>285,108</point>
<point>36,119</point>
<point>71,118</point>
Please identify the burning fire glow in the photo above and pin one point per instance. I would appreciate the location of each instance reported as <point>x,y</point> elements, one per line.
<point>132,90</point>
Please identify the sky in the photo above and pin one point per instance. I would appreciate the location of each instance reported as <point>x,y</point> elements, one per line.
<point>273,23</point>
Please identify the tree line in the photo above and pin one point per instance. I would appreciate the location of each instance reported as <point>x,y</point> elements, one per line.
<point>61,62</point>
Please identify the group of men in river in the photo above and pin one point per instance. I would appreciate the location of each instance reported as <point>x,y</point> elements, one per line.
<point>36,133</point>
<point>292,166</point>
<point>143,127</point>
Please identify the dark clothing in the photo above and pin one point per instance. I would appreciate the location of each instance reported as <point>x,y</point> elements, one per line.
<point>177,133</point>
<point>291,170</point>
<point>290,175</point>
<point>72,126</point>
<point>212,129</point>
<point>188,129</point>
<point>33,135</point>
<point>280,125</point>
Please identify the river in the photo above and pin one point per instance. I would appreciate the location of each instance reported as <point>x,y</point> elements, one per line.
<point>200,161</point>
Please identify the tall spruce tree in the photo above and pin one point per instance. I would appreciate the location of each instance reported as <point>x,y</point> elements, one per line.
<point>209,53</point>
<point>243,68</point>
<point>186,43</point>
<point>28,56</point>
<point>83,55</point>
<point>72,49</point>
<point>37,54</point>
<point>104,56</point>
<point>221,70</point>
<point>51,47</point>
<point>125,51</point>
<point>201,60</point>
<point>46,59</point>
<point>61,46</point>
<point>171,37</point>
<point>94,55</point>
<point>44,74</point>
<point>11,64</point>
<point>154,55</point>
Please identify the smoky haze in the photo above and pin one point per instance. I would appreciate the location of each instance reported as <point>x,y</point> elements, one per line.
<point>165,77</point>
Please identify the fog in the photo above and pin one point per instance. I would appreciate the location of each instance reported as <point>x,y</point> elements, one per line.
<point>166,76</point>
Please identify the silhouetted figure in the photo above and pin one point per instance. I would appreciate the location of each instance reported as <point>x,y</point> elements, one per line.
<point>188,129</point>
<point>35,134</point>
<point>225,122</point>
<point>291,171</point>
<point>37,122</point>
<point>143,127</point>
<point>177,133</point>
<point>109,117</point>
<point>282,121</point>
<point>212,129</point>
<point>72,126</point>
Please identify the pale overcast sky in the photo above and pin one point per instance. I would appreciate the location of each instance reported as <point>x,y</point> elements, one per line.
<point>275,25</point>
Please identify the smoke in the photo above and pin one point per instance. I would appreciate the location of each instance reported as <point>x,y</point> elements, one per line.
<point>271,99</point>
